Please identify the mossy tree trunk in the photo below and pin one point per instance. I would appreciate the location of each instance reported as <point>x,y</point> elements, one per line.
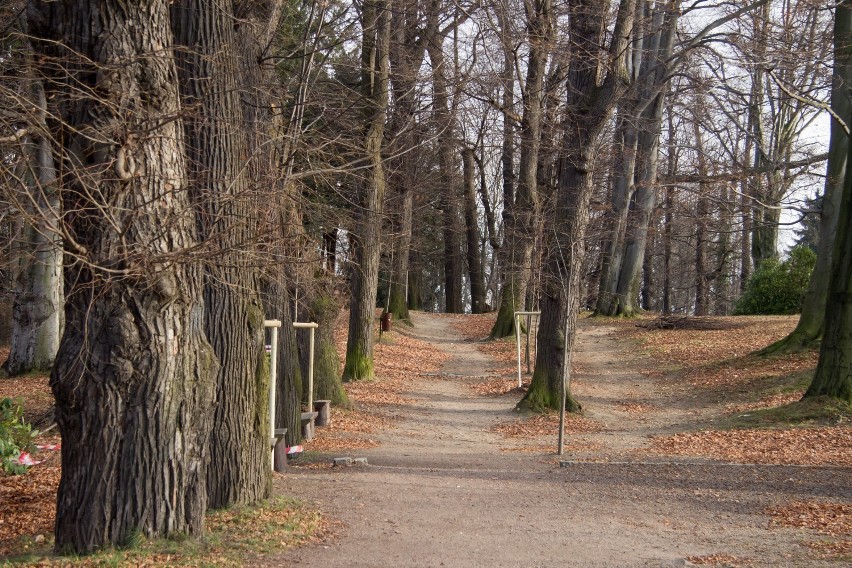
<point>217,143</point>
<point>366,239</point>
<point>590,107</point>
<point>134,378</point>
<point>812,321</point>
<point>323,308</point>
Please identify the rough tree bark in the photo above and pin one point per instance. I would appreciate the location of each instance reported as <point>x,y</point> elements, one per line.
<point>134,378</point>
<point>217,146</point>
<point>366,239</point>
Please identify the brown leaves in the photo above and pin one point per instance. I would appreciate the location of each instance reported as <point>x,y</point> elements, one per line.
<point>833,519</point>
<point>544,425</point>
<point>767,402</point>
<point>720,558</point>
<point>29,502</point>
<point>630,407</point>
<point>800,446</point>
<point>499,387</point>
<point>33,389</point>
<point>475,327</point>
<point>341,433</point>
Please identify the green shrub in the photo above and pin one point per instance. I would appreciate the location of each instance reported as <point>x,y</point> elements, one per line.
<point>778,288</point>
<point>16,436</point>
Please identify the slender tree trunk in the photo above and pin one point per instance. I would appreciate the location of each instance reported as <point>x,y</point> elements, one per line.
<point>445,123</point>
<point>511,291</point>
<point>37,304</point>
<point>406,57</point>
<point>668,220</point>
<point>701,213</point>
<point>134,378</point>
<point>622,191</point>
<point>474,264</point>
<point>415,283</point>
<point>648,281</point>
<point>375,17</point>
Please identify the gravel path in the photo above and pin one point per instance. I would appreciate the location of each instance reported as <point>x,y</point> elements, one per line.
<point>439,491</point>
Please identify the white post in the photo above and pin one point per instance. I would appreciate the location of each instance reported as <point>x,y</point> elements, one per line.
<point>518,345</point>
<point>518,339</point>
<point>273,380</point>
<point>312,326</point>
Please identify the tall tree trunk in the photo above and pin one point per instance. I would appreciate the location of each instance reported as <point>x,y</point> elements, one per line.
<point>812,321</point>
<point>590,106</point>
<point>217,146</point>
<point>526,208</point>
<point>37,304</point>
<point>511,291</point>
<point>447,132</point>
<point>474,264</point>
<point>406,56</point>
<point>723,271</point>
<point>659,47</point>
<point>648,280</point>
<point>366,239</point>
<point>668,221</point>
<point>622,191</point>
<point>701,212</point>
<point>134,378</point>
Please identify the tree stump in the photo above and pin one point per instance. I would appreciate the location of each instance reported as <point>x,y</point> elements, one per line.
<point>323,410</point>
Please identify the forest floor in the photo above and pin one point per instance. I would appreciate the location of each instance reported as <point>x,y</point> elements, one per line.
<point>653,474</point>
<point>690,451</point>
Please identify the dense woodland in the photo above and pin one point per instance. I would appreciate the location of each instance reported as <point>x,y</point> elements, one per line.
<point>173,173</point>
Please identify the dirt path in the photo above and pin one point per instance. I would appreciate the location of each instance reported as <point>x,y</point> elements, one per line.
<point>440,492</point>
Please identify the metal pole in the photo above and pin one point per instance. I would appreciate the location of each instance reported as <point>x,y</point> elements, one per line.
<point>518,344</point>
<point>311,373</point>
<point>529,330</point>
<point>273,380</point>
<point>564,387</point>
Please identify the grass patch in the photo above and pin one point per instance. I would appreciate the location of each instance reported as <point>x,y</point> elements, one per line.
<point>234,536</point>
<point>812,411</point>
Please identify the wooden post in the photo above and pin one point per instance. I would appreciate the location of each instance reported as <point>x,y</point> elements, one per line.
<point>312,326</point>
